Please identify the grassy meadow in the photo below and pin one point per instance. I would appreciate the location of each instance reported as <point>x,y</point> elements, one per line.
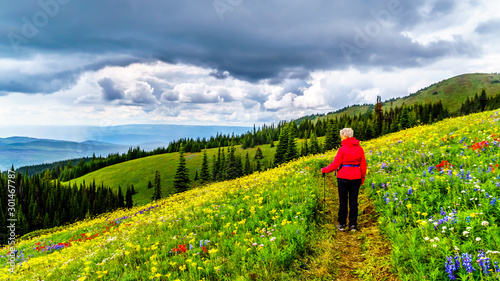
<point>435,189</point>
<point>139,171</point>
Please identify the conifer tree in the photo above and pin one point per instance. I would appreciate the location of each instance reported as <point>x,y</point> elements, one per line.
<point>234,168</point>
<point>404,119</point>
<point>329,137</point>
<point>157,190</point>
<point>181,178</point>
<point>247,167</point>
<point>128,199</point>
<point>314,144</point>
<point>281,149</point>
<point>258,154</point>
<point>150,185</point>
<point>204,171</point>
<point>304,151</point>
<point>291,150</point>
<point>214,168</point>
<point>258,168</point>
<point>46,221</point>
<point>121,199</point>
<point>483,100</point>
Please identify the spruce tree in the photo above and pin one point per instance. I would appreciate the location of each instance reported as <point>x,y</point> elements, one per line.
<point>258,154</point>
<point>281,149</point>
<point>150,185</point>
<point>291,150</point>
<point>128,199</point>
<point>157,187</point>
<point>181,178</point>
<point>304,151</point>
<point>121,199</point>
<point>234,168</point>
<point>314,148</point>
<point>214,168</point>
<point>46,221</point>
<point>404,119</point>
<point>247,167</point>
<point>483,100</point>
<point>329,137</point>
<point>204,171</point>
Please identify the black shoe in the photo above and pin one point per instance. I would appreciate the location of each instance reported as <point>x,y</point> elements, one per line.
<point>341,227</point>
<point>352,228</point>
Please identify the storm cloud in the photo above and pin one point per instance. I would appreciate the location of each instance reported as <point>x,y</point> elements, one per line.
<point>259,55</point>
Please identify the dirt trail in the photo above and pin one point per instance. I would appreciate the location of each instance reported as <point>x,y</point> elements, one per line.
<point>335,255</point>
<point>362,255</point>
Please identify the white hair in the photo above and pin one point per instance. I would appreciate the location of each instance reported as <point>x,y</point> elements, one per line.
<point>346,132</point>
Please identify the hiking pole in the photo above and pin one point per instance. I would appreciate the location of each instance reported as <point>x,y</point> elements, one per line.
<point>324,197</point>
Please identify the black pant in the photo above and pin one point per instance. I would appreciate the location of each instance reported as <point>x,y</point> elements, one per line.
<point>348,192</point>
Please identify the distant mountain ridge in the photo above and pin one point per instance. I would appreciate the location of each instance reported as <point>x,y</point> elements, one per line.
<point>20,151</point>
<point>101,140</point>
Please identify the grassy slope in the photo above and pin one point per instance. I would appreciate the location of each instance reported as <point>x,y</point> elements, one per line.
<point>452,92</point>
<point>139,171</point>
<point>132,248</point>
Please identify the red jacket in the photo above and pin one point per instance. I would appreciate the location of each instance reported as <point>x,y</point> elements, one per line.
<point>350,153</point>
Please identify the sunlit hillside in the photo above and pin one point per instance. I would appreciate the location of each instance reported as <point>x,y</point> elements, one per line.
<point>435,188</point>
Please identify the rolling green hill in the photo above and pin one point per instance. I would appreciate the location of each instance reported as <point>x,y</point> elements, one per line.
<point>452,92</point>
<point>139,171</point>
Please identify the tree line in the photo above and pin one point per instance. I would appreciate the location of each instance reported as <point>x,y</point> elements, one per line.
<point>42,202</point>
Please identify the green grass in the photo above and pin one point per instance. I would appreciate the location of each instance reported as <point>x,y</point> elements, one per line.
<point>139,171</point>
<point>452,93</point>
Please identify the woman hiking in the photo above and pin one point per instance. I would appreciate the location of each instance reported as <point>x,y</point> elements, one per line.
<point>350,164</point>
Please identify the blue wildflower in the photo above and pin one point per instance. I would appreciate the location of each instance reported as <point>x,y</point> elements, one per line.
<point>457,261</point>
<point>484,262</point>
<point>466,262</point>
<point>450,268</point>
<point>493,202</point>
<point>410,191</point>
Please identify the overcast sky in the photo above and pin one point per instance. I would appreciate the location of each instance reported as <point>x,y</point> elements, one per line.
<point>229,62</point>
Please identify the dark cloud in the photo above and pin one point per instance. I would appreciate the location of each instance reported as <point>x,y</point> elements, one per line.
<point>109,90</point>
<point>443,7</point>
<point>255,40</point>
<point>489,27</point>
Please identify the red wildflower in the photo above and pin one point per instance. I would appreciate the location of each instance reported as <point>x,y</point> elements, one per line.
<point>204,249</point>
<point>443,164</point>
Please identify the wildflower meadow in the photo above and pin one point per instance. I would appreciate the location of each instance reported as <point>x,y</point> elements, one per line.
<point>435,189</point>
<point>253,226</point>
